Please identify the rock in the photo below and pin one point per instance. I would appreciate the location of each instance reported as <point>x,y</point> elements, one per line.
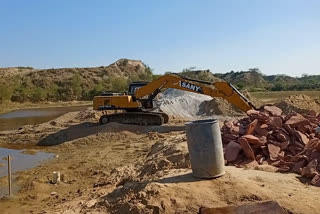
<point>298,166</point>
<point>304,129</point>
<point>228,124</point>
<point>282,136</point>
<point>235,129</point>
<point>232,151</point>
<point>247,148</point>
<point>91,203</point>
<point>261,130</point>
<point>260,116</point>
<point>302,138</point>
<point>242,129</point>
<point>273,110</point>
<point>273,151</point>
<point>275,122</point>
<point>316,181</point>
<point>310,170</point>
<point>262,140</point>
<point>297,120</point>
<point>284,169</point>
<point>252,127</point>
<point>289,129</point>
<point>252,112</point>
<point>230,136</point>
<point>53,193</point>
<point>250,164</point>
<point>251,139</point>
<point>284,145</point>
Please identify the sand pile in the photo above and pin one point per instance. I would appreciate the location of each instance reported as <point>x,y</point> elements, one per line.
<point>165,154</point>
<point>184,104</point>
<point>256,102</point>
<point>181,103</point>
<point>218,106</point>
<point>299,104</point>
<point>88,113</point>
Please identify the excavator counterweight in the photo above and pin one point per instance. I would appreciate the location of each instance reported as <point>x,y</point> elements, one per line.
<point>137,103</point>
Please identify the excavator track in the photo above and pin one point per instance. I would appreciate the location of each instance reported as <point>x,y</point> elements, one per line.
<point>137,118</point>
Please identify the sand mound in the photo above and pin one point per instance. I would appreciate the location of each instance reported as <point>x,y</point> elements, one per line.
<point>190,105</point>
<point>256,102</point>
<point>299,104</point>
<point>88,113</point>
<point>181,103</point>
<point>164,155</point>
<point>218,106</point>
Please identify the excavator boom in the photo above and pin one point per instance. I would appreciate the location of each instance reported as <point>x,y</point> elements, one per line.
<point>216,89</point>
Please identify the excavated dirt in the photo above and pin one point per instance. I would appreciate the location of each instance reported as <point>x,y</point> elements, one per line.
<point>299,104</point>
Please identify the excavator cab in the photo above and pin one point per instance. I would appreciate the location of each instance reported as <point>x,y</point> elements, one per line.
<point>134,86</point>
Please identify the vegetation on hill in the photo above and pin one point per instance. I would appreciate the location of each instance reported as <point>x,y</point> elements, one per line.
<point>254,80</point>
<point>23,84</point>
<point>204,75</point>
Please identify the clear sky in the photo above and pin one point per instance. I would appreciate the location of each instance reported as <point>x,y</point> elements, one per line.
<point>277,36</point>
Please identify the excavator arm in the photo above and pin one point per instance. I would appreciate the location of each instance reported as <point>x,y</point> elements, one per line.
<point>216,89</point>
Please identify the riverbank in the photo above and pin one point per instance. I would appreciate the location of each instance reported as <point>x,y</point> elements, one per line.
<point>8,106</point>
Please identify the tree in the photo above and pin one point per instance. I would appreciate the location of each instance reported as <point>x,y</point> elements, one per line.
<point>119,84</point>
<point>75,84</point>
<point>256,70</point>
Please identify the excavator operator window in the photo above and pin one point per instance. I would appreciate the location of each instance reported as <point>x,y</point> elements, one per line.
<point>133,87</point>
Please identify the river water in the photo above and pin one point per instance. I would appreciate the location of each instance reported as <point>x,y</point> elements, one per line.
<point>22,117</point>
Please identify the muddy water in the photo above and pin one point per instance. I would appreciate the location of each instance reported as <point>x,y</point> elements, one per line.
<point>22,158</point>
<point>18,118</point>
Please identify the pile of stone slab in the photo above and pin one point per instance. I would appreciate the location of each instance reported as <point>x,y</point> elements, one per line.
<point>267,136</point>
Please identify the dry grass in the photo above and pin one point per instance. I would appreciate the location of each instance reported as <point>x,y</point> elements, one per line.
<point>276,96</point>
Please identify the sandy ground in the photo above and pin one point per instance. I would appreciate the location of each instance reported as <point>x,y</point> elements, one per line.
<point>132,169</point>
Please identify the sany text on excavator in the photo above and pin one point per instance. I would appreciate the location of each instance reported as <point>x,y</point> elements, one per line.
<point>137,103</point>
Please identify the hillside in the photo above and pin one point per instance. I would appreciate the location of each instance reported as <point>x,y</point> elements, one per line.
<point>256,81</point>
<point>244,79</point>
<point>23,84</point>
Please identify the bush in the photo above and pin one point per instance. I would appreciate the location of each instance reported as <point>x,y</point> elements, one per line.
<point>119,84</point>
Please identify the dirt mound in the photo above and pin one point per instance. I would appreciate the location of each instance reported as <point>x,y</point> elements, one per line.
<point>218,106</point>
<point>164,155</point>
<point>88,113</point>
<point>299,104</point>
<point>256,102</point>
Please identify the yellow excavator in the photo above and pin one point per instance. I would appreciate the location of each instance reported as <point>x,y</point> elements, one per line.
<point>137,103</point>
